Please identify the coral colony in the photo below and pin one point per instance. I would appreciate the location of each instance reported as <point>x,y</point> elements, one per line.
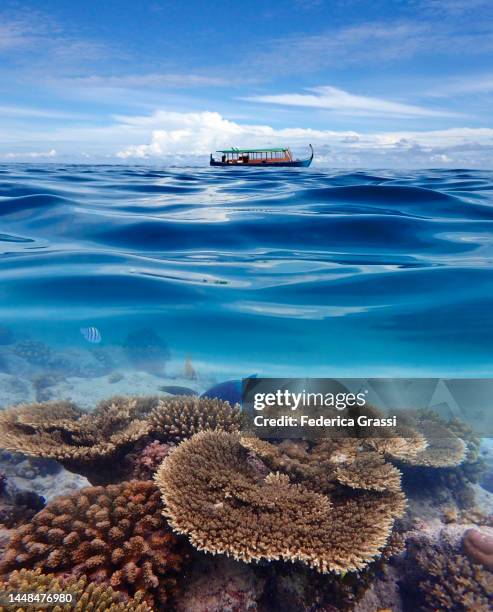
<point>181,489</point>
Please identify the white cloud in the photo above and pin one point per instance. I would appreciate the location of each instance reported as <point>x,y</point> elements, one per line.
<point>188,137</point>
<point>189,133</point>
<point>172,133</point>
<point>340,101</point>
<point>29,154</point>
<point>442,158</point>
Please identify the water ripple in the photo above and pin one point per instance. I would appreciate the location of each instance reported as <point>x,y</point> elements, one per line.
<point>276,267</point>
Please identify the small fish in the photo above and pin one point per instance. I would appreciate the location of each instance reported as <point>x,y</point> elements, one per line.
<point>177,390</point>
<point>189,371</point>
<point>91,334</point>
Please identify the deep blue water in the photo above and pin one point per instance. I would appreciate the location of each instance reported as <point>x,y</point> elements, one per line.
<point>271,271</point>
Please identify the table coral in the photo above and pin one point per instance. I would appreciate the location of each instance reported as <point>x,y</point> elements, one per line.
<point>114,534</point>
<point>444,448</point>
<point>87,595</point>
<point>85,443</point>
<point>224,504</point>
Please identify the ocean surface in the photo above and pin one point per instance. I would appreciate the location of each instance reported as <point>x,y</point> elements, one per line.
<point>275,272</point>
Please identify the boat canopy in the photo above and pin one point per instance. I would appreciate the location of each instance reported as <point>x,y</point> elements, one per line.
<point>234,150</point>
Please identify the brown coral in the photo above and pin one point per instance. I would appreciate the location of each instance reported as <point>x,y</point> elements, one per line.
<point>215,495</point>
<point>404,446</point>
<point>448,580</point>
<point>112,534</point>
<point>86,595</point>
<point>178,418</point>
<point>444,448</point>
<point>328,463</point>
<point>479,547</point>
<point>85,443</point>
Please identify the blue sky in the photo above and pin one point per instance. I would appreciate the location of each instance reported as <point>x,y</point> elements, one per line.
<point>385,84</point>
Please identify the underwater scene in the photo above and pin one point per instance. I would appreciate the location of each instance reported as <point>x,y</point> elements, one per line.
<point>134,300</point>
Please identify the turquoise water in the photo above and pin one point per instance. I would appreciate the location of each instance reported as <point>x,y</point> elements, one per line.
<point>287,272</point>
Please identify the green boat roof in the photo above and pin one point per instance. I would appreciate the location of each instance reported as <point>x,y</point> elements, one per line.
<point>234,150</point>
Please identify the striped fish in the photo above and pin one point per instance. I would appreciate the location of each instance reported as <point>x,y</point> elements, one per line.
<point>91,334</point>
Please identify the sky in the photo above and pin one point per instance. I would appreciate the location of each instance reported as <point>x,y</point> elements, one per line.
<point>384,84</point>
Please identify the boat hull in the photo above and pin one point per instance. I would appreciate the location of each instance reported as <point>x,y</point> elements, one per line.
<point>298,163</point>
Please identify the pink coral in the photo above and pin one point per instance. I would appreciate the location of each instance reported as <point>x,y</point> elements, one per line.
<point>145,462</point>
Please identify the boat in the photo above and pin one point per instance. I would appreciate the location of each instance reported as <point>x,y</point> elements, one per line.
<point>280,157</point>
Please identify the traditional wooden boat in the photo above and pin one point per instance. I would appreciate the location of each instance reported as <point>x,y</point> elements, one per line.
<point>279,157</point>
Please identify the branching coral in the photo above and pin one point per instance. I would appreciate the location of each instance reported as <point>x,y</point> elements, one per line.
<point>86,595</point>
<point>223,501</point>
<point>86,443</point>
<point>144,462</point>
<point>112,534</point>
<point>448,580</point>
<point>178,418</point>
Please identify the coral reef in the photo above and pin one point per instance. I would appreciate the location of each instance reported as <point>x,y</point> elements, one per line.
<point>479,548</point>
<point>34,352</point>
<point>215,494</point>
<point>19,507</point>
<point>327,463</point>
<point>221,584</point>
<point>448,465</point>
<point>178,418</point>
<point>87,595</point>
<point>42,384</point>
<point>444,448</point>
<point>85,443</point>
<point>94,444</point>
<point>446,579</point>
<point>146,350</point>
<point>30,468</point>
<point>114,534</point>
<point>144,463</point>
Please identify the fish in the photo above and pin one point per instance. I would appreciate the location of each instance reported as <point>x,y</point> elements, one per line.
<point>229,391</point>
<point>91,334</point>
<point>177,390</point>
<point>189,371</point>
